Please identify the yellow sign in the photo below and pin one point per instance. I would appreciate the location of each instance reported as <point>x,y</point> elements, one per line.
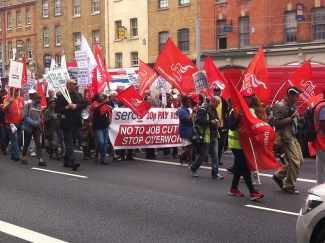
<point>121,32</point>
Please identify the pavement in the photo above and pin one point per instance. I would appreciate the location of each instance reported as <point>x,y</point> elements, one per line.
<point>141,201</point>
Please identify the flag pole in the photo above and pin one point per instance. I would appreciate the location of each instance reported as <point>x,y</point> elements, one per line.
<point>257,173</point>
<point>278,93</point>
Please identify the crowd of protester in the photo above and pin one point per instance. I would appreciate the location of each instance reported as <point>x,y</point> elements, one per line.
<point>62,125</point>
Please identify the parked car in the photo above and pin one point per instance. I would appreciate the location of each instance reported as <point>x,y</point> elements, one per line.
<point>310,226</point>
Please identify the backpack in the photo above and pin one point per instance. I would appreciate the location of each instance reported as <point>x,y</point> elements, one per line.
<point>309,132</point>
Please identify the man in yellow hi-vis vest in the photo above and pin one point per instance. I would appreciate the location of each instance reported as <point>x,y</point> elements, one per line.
<point>208,122</point>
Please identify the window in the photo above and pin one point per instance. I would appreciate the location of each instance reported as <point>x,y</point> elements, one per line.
<point>318,24</point>
<point>134,59</point>
<point>95,6</point>
<point>57,9</point>
<point>290,25</point>
<point>184,40</point>
<point>96,35</point>
<point>163,3</point>
<point>183,2</point>
<point>222,37</point>
<point>28,18</point>
<point>45,9</point>
<point>10,51</point>
<point>134,28</point>
<point>18,19</point>
<point>243,31</point>
<point>77,41</point>
<point>9,21</point>
<point>162,38</point>
<point>29,48</point>
<point>118,60</point>
<point>19,48</point>
<point>117,24</point>
<point>76,7</point>
<point>57,35</point>
<point>46,36</point>
<point>57,59</point>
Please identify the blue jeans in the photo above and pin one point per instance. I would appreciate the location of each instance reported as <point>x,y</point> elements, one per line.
<point>5,138</point>
<point>15,139</point>
<point>101,136</point>
<point>205,149</point>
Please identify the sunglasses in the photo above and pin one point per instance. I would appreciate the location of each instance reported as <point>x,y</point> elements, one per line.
<point>73,83</point>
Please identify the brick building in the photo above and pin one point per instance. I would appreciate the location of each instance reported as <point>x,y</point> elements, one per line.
<point>18,30</point>
<point>61,24</point>
<point>174,19</point>
<point>291,31</point>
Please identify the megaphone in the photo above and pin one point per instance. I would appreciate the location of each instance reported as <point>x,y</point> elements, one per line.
<point>85,114</point>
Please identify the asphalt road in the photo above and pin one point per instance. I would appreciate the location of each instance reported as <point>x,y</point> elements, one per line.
<point>140,201</point>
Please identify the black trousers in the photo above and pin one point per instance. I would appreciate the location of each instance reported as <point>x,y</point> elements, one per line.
<point>221,141</point>
<point>70,137</point>
<point>241,169</point>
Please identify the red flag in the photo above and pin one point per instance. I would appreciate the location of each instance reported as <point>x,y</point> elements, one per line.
<point>256,77</point>
<point>176,68</point>
<point>102,76</point>
<point>303,78</point>
<point>40,91</point>
<point>215,78</point>
<point>131,98</point>
<point>146,77</point>
<point>91,93</point>
<point>256,136</point>
<point>24,76</point>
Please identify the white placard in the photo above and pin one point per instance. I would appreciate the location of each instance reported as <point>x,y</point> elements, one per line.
<point>82,59</point>
<point>15,74</point>
<point>58,78</point>
<point>133,80</point>
<point>35,114</point>
<point>200,80</point>
<point>163,97</point>
<point>161,83</point>
<point>83,76</point>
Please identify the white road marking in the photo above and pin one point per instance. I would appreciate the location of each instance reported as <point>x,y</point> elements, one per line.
<point>26,234</point>
<point>61,173</point>
<point>209,168</point>
<point>271,209</point>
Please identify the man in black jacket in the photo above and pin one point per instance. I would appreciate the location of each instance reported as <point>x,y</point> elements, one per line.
<point>70,121</point>
<point>222,110</point>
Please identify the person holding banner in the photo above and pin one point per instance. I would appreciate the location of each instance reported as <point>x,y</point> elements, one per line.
<point>240,167</point>
<point>70,120</point>
<point>14,109</point>
<point>286,119</point>
<point>32,127</point>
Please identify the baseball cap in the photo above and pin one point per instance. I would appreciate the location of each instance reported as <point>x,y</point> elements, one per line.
<point>293,90</point>
<point>246,93</point>
<point>216,89</point>
<point>195,97</point>
<point>32,91</point>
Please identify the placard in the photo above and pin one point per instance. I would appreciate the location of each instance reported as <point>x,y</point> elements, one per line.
<point>83,77</point>
<point>15,74</point>
<point>35,114</point>
<point>133,80</point>
<point>82,59</point>
<point>200,80</point>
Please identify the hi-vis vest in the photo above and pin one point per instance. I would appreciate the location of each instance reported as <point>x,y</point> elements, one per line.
<point>233,136</point>
<point>206,138</point>
<point>319,142</point>
<point>15,113</point>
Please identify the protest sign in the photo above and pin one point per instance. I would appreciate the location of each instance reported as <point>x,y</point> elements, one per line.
<point>26,87</point>
<point>133,80</point>
<point>15,74</point>
<point>163,97</point>
<point>83,76</point>
<point>161,83</point>
<point>82,59</point>
<point>58,78</point>
<point>200,80</point>
<point>159,128</point>
<point>35,114</point>
<point>73,73</point>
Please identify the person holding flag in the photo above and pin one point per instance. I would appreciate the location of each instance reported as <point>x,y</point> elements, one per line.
<point>240,164</point>
<point>286,118</point>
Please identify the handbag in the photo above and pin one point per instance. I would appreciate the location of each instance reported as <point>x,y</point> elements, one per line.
<point>196,136</point>
<point>277,140</point>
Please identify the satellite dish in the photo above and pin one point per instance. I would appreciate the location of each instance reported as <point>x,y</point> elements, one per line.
<point>85,114</point>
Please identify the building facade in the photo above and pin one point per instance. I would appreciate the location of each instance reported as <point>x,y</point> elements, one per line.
<point>18,32</point>
<point>174,19</point>
<point>291,31</point>
<point>128,33</point>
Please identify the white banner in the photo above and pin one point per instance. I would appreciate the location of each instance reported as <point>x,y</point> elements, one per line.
<point>157,129</point>
<point>15,74</point>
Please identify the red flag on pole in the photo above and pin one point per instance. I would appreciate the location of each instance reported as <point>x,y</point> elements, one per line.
<point>131,98</point>
<point>24,76</point>
<point>146,77</point>
<point>176,68</point>
<point>102,76</point>
<point>256,77</point>
<point>215,78</point>
<point>256,136</point>
<point>40,91</point>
